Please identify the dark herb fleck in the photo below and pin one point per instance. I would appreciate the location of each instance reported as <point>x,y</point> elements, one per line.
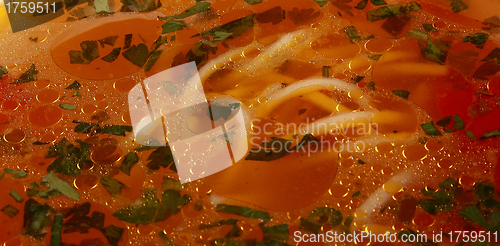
<point>479,39</point>
<point>392,10</point>
<point>429,27</point>
<point>111,57</point>
<point>30,75</point>
<point>67,106</point>
<point>325,215</point>
<point>16,174</point>
<point>173,26</point>
<point>242,211</point>
<point>352,33</point>
<point>3,72</point>
<point>74,85</point>
<point>138,55</point>
<point>18,198</point>
<point>375,57</point>
<point>89,52</point>
<point>10,210</point>
<point>371,85</point>
<point>56,230</point>
<point>457,6</point>
<point>401,93</point>
<point>128,161</point>
<point>114,187</point>
<point>356,194</point>
<point>430,129</point>
<point>195,9</point>
<point>108,40</point>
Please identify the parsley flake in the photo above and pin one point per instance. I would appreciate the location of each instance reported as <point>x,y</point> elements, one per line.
<point>242,211</point>
<point>430,129</point>
<point>89,52</point>
<point>392,11</point>
<point>52,181</point>
<point>30,75</point>
<point>458,5</point>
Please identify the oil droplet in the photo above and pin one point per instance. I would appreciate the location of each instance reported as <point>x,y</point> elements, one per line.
<point>375,228</point>
<point>392,187</point>
<point>359,65</point>
<point>145,229</point>
<point>345,155</point>
<point>89,109</point>
<point>124,85</point>
<point>45,116</point>
<point>251,52</point>
<point>58,130</point>
<point>384,148</point>
<point>387,171</point>
<point>347,107</point>
<point>415,152</point>
<point>56,29</point>
<point>423,220</point>
<point>106,152</point>
<point>445,163</point>
<point>99,97</point>
<point>359,223</point>
<point>103,105</point>
<point>42,84</point>
<point>467,181</point>
<point>37,36</point>
<point>360,214</point>
<point>338,190</point>
<point>48,138</point>
<point>377,168</point>
<point>355,94</point>
<point>10,105</point>
<point>126,118</point>
<point>336,46</point>
<point>48,96</point>
<point>15,136</point>
<point>86,182</point>
<point>434,145</point>
<point>379,45</point>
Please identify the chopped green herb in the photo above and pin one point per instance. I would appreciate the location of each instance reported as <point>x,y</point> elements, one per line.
<point>138,55</point>
<point>144,147</point>
<point>152,60</point>
<point>141,5</point>
<point>13,193</point>
<point>422,140</point>
<point>3,71</point>
<point>113,234</point>
<point>307,225</point>
<point>321,3</point>
<point>378,2</point>
<point>10,210</point>
<point>444,122</point>
<point>101,6</point>
<point>392,10</point>
<point>277,232</point>
<point>479,39</point>
<point>216,112</point>
<point>118,130</point>
<point>16,174</point>
<point>111,57</point>
<point>128,161</point>
<point>56,230</point>
<point>77,93</point>
<point>171,184</point>
<point>236,27</point>
<point>36,218</point>
<point>430,129</point>
<point>474,214</point>
<point>169,87</point>
<point>417,34</point>
<point>361,162</point>
<point>375,57</point>
<point>112,186</point>
<point>108,40</point>
<point>435,52</point>
<point>218,223</point>
<point>70,157</point>
<point>489,134</point>
<point>198,206</point>
<point>67,106</point>
<point>242,211</point>
<point>1,175</point>
<point>357,79</point>
<point>173,26</point>
<point>83,127</point>
<point>470,134</point>
<point>151,209</point>
<point>97,220</point>
<point>401,93</point>
<point>52,181</point>
<point>352,33</point>
<point>325,215</point>
<point>89,52</point>
<point>356,194</point>
<point>74,85</point>
<point>457,6</point>
<point>362,4</point>
<point>326,71</point>
<point>161,157</point>
<point>30,75</point>
<point>371,85</point>
<point>429,27</point>
<point>458,123</point>
<point>493,56</point>
<point>197,8</point>
<point>128,41</point>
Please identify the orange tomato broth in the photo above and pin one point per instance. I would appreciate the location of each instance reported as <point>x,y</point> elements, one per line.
<point>288,188</point>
